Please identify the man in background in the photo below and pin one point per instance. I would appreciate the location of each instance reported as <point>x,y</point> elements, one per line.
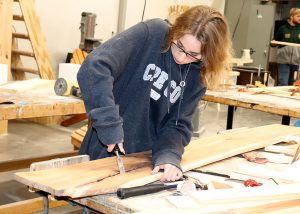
<point>288,57</point>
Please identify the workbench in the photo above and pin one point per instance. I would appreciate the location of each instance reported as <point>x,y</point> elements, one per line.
<point>283,106</point>
<point>160,202</point>
<point>33,99</point>
<point>220,154</point>
<point>39,101</point>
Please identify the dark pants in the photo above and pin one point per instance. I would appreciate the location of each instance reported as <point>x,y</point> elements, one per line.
<point>286,74</point>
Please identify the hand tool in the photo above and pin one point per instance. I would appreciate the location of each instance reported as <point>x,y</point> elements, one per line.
<point>152,188</point>
<point>143,190</point>
<point>63,88</point>
<point>117,152</point>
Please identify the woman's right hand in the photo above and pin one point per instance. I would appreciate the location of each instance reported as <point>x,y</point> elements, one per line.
<point>110,147</point>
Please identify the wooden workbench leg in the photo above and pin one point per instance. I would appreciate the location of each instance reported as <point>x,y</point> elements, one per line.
<point>3,126</point>
<point>230,117</point>
<point>285,120</point>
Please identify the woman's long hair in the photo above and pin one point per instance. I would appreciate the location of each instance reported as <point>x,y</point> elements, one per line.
<point>211,29</point>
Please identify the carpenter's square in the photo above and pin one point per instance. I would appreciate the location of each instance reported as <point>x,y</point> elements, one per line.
<point>121,167</point>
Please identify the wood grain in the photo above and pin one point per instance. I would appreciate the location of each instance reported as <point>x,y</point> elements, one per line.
<point>37,39</point>
<point>6,7</point>
<point>286,106</point>
<point>102,176</point>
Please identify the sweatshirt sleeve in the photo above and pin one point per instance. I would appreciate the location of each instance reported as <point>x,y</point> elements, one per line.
<point>96,78</point>
<point>172,139</point>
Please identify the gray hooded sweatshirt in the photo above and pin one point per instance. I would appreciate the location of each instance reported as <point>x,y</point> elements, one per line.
<point>131,93</point>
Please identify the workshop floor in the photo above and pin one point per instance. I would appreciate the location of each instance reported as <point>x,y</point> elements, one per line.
<point>27,139</point>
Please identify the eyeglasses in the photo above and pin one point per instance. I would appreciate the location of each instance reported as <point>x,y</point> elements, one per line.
<point>190,55</point>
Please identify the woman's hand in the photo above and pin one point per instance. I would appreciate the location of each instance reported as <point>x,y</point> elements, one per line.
<point>110,147</point>
<point>171,172</point>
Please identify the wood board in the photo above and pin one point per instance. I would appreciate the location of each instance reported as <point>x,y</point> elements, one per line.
<point>102,176</point>
<point>281,91</point>
<point>6,32</point>
<point>279,105</point>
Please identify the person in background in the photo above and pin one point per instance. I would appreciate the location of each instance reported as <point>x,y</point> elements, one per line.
<point>288,57</point>
<point>141,87</point>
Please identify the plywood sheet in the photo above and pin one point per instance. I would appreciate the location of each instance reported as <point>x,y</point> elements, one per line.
<point>102,176</point>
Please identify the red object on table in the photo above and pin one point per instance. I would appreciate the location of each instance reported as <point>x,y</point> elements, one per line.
<point>251,183</point>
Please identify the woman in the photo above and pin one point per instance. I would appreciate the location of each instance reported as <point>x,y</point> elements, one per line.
<point>142,86</point>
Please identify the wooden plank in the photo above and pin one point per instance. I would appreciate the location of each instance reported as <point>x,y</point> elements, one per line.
<point>20,86</point>
<point>40,108</point>
<point>23,53</point>
<point>79,55</point>
<point>16,62</point>
<point>102,176</point>
<point>23,69</point>
<point>18,17</point>
<point>59,162</point>
<point>20,36</point>
<point>283,91</point>
<point>285,43</point>
<point>287,207</point>
<point>234,197</point>
<point>261,102</point>
<point>74,119</point>
<point>29,206</point>
<point>26,162</point>
<point>6,7</point>
<point>3,126</point>
<point>37,39</point>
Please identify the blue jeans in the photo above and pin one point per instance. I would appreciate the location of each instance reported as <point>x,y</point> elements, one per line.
<point>286,74</point>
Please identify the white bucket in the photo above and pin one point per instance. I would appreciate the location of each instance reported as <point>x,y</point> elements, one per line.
<point>246,54</point>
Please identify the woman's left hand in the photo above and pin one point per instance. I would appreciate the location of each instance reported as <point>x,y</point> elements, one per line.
<point>171,172</point>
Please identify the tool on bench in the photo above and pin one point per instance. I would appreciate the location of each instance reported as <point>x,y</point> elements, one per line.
<point>143,190</point>
<point>246,182</point>
<point>120,163</point>
<point>182,184</point>
<point>64,88</point>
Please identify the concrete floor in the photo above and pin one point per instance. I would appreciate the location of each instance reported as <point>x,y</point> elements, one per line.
<point>26,139</point>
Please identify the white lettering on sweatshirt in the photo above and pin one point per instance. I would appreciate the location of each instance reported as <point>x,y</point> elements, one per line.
<point>159,78</point>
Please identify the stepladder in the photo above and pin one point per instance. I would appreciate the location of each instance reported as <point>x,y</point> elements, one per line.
<point>23,45</point>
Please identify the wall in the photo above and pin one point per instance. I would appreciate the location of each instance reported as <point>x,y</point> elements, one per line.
<point>60,20</point>
<point>159,9</point>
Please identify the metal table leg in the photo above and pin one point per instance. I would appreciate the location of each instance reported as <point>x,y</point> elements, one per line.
<point>285,120</point>
<point>230,117</point>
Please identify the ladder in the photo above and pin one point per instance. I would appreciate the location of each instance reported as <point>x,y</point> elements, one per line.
<point>38,52</point>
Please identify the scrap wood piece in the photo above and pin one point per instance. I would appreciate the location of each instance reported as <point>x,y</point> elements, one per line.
<point>281,91</point>
<point>246,197</point>
<point>30,206</point>
<point>285,43</point>
<point>290,206</point>
<point>25,85</point>
<point>255,157</point>
<point>78,56</point>
<point>198,153</point>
